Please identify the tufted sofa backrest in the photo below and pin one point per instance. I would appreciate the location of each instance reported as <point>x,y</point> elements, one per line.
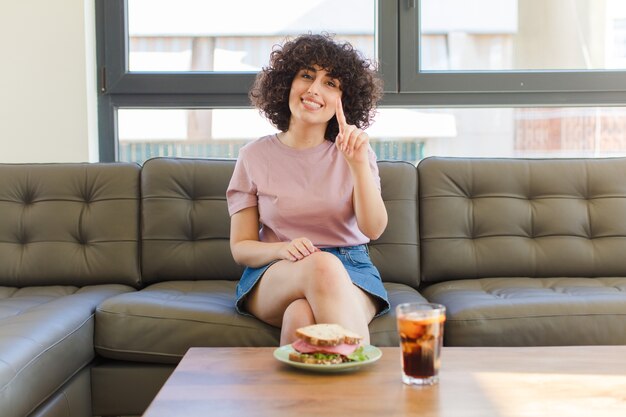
<point>186,226</point>
<point>185,222</point>
<point>69,224</point>
<point>396,252</point>
<point>522,218</point>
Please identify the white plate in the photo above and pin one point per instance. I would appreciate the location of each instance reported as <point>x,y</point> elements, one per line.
<point>372,352</point>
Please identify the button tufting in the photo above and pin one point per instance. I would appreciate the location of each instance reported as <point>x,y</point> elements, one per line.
<point>28,199</point>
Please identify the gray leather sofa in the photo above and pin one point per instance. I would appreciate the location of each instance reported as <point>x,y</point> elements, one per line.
<point>109,272</point>
<point>69,239</point>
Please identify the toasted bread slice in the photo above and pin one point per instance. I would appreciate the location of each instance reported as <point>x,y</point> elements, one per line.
<point>327,335</point>
<point>305,358</point>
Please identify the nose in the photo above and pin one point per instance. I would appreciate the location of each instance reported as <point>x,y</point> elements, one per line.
<point>314,86</point>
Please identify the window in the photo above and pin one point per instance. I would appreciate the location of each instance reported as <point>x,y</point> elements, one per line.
<point>537,132</point>
<point>147,133</point>
<point>480,78</point>
<point>513,51</point>
<point>195,35</point>
<point>197,55</point>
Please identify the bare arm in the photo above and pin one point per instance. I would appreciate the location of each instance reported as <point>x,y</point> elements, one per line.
<point>369,208</point>
<point>249,251</point>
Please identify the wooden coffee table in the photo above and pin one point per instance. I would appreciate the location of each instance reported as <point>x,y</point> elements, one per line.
<point>537,381</point>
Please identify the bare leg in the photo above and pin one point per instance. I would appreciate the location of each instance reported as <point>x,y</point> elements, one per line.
<point>298,314</point>
<point>322,280</point>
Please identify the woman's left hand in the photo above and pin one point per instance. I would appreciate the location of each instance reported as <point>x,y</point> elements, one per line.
<point>351,141</point>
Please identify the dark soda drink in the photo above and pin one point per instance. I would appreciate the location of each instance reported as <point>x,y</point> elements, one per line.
<point>421,338</point>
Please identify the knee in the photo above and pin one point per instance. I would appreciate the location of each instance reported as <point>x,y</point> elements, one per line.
<point>326,273</point>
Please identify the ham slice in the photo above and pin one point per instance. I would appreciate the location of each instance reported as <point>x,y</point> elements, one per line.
<point>342,349</point>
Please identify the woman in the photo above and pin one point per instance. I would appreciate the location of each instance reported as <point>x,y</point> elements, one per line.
<point>305,202</point>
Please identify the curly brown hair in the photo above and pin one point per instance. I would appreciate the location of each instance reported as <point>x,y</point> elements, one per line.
<point>360,85</point>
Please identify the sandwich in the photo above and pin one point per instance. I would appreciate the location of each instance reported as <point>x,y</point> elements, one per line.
<point>327,344</point>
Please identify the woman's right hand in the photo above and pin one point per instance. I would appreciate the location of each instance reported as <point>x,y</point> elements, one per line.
<point>297,249</point>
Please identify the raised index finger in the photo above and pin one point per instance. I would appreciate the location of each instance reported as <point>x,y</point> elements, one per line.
<point>341,117</point>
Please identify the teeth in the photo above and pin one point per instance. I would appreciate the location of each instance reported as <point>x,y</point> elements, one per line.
<point>312,103</point>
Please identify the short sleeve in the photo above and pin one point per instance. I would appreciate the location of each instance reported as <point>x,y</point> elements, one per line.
<point>374,168</point>
<point>241,192</point>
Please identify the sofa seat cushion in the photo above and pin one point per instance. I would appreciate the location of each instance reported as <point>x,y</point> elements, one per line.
<point>532,311</point>
<point>159,323</point>
<point>46,336</point>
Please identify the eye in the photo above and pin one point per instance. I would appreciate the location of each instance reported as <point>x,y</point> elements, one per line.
<point>307,76</point>
<point>331,83</point>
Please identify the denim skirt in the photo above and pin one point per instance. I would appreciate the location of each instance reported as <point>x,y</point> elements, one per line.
<point>355,259</point>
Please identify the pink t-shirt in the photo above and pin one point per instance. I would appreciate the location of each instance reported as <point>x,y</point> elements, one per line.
<point>299,193</point>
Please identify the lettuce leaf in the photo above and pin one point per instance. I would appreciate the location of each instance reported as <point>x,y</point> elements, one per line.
<point>358,355</point>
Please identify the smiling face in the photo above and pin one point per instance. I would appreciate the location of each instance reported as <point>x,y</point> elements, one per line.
<point>313,96</point>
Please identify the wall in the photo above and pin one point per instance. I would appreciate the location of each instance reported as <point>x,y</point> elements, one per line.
<point>48,103</point>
